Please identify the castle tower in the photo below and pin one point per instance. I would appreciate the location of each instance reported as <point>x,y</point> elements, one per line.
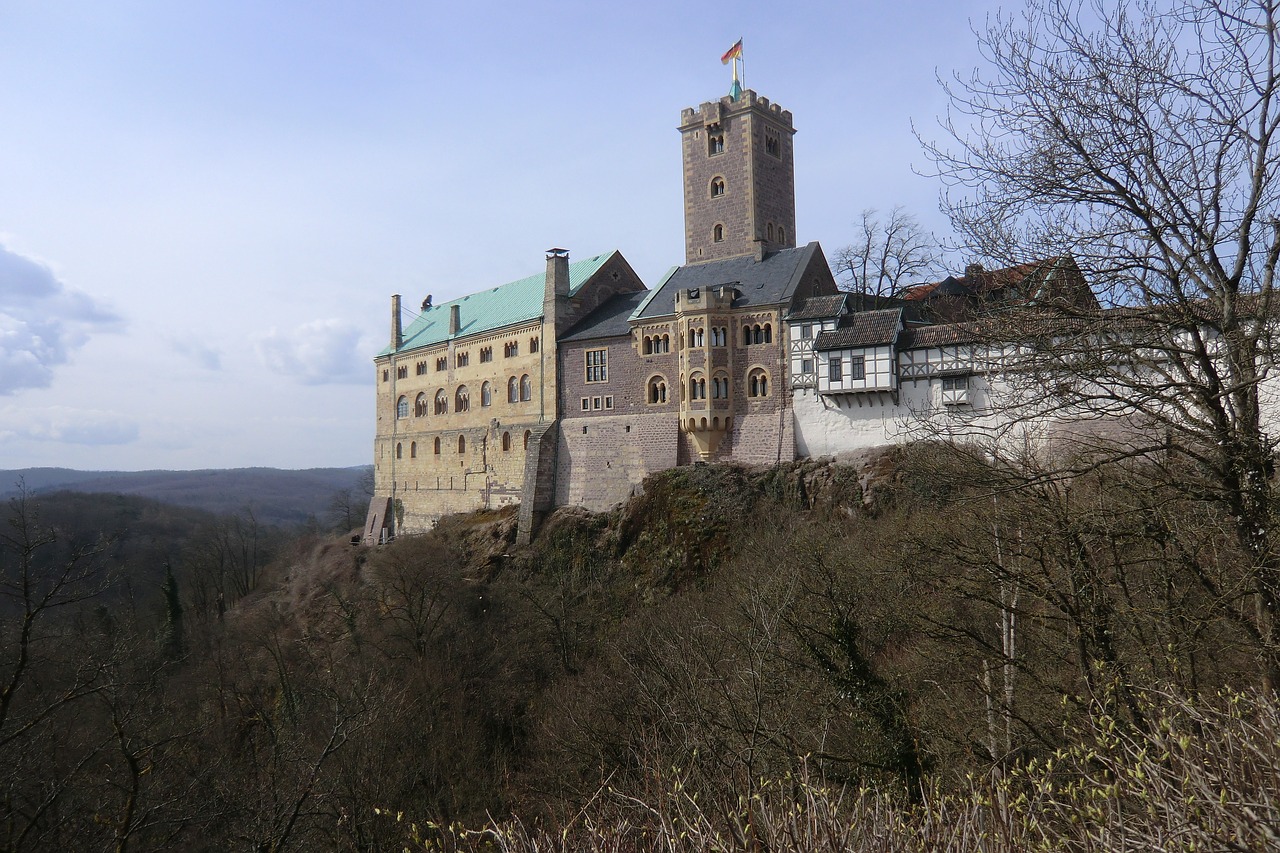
<point>739,178</point>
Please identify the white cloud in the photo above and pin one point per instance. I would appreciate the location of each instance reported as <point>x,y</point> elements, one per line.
<point>322,352</point>
<point>67,425</point>
<point>41,322</point>
<point>204,356</point>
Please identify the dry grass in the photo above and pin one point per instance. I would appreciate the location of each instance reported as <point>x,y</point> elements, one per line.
<point>1206,776</point>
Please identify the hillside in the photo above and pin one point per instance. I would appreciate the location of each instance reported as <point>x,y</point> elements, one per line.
<point>690,665</point>
<point>276,496</point>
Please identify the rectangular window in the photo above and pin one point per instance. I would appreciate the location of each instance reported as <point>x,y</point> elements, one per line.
<point>806,365</point>
<point>806,332</point>
<point>586,404</point>
<point>597,362</point>
<point>835,370</point>
<point>955,383</point>
<point>595,402</point>
<point>608,403</point>
<point>857,368</point>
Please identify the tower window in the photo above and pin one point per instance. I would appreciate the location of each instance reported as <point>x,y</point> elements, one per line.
<point>462,444</point>
<point>717,187</point>
<point>717,234</point>
<point>771,142</point>
<point>770,232</point>
<point>782,234</point>
<point>715,143</point>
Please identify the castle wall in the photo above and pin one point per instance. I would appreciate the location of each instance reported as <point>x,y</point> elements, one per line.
<point>601,461</point>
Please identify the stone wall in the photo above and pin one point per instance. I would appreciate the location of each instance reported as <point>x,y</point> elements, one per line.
<point>601,461</point>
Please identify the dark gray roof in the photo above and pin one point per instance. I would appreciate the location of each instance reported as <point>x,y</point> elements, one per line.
<point>609,320</point>
<point>864,329</point>
<point>915,337</point>
<point>766,282</point>
<point>819,307</point>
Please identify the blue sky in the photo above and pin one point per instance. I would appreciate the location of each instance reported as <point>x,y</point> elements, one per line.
<point>205,206</point>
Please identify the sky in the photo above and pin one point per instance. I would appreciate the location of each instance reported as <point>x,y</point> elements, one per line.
<point>206,206</point>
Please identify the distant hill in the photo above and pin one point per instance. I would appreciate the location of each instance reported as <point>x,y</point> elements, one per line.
<point>276,496</point>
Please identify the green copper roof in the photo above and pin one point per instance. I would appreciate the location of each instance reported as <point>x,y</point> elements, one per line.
<point>505,305</point>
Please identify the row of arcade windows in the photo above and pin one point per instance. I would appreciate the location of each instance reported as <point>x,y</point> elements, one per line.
<point>757,386</point>
<point>518,391</point>
<point>462,445</point>
<point>657,344</point>
<point>757,334</point>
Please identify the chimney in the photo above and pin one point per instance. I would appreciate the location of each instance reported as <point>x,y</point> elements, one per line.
<point>455,319</point>
<point>973,269</point>
<point>761,248</point>
<point>397,332</point>
<point>557,273</point>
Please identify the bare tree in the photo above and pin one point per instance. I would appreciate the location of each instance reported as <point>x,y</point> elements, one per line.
<point>1138,139</point>
<point>887,256</point>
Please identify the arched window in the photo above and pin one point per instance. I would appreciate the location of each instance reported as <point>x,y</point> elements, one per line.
<point>657,390</point>
<point>413,450</point>
<point>462,444</point>
<point>402,407</point>
<point>697,387</point>
<point>758,383</point>
<point>720,387</point>
<point>717,187</point>
<point>768,333</point>
<point>526,388</point>
<point>420,405</point>
<point>666,343</point>
<point>746,335</point>
<point>648,345</point>
<point>782,234</point>
<point>770,232</point>
<point>437,445</point>
<point>442,402</point>
<point>397,450</point>
<point>462,399</point>
<point>527,435</point>
<point>533,344</point>
<point>513,390</point>
<point>717,234</point>
<point>486,394</point>
<point>506,441</point>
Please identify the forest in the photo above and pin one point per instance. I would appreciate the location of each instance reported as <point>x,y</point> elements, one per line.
<point>904,655</point>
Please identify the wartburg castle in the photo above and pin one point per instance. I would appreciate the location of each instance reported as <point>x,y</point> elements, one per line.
<point>569,387</point>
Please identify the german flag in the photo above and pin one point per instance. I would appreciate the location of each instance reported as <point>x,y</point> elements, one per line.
<point>732,53</point>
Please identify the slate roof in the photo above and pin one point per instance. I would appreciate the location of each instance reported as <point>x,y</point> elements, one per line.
<point>819,307</point>
<point>505,305</point>
<point>766,282</point>
<point>864,329</point>
<point>916,337</point>
<point>609,320</point>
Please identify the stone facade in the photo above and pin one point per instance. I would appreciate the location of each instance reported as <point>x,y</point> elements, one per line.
<point>739,178</point>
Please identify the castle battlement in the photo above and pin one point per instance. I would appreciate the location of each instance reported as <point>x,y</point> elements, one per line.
<point>713,112</point>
